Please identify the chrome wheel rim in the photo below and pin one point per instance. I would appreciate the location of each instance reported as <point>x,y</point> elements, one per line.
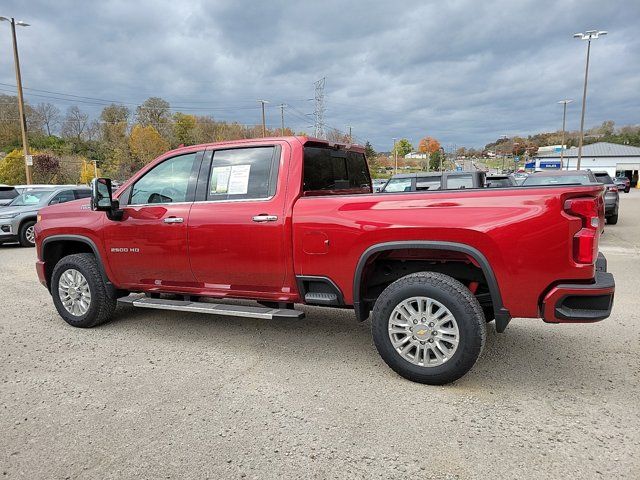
<point>74,292</point>
<point>30,234</point>
<point>423,331</point>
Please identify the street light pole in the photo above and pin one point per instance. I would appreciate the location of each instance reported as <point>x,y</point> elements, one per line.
<point>588,36</point>
<point>23,119</point>
<point>282,116</point>
<point>564,119</point>
<point>395,154</point>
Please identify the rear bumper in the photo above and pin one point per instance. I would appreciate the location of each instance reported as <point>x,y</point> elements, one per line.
<point>581,303</point>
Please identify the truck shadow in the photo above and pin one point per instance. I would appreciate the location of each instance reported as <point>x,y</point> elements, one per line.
<point>529,355</point>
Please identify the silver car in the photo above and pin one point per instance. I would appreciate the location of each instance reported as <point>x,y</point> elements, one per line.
<point>18,217</point>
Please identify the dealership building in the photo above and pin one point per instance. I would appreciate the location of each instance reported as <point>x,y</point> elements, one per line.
<point>613,158</point>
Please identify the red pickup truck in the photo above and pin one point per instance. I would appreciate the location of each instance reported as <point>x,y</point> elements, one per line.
<point>294,220</point>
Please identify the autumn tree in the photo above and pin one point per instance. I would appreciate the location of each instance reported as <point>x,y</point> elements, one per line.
<point>12,168</point>
<point>46,168</point>
<point>155,112</point>
<point>184,129</point>
<point>146,143</point>
<point>402,147</point>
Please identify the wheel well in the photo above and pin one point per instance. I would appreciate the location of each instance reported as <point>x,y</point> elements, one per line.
<point>53,251</point>
<point>385,267</point>
<point>25,220</point>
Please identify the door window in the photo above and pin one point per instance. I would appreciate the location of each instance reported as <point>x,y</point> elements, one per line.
<point>428,183</point>
<point>62,197</point>
<point>167,182</point>
<point>83,194</point>
<point>243,173</point>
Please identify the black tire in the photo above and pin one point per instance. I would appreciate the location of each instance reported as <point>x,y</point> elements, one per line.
<point>101,305</point>
<point>613,219</point>
<point>462,305</point>
<point>24,233</point>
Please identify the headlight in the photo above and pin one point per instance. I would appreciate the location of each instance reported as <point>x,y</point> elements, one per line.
<point>8,215</point>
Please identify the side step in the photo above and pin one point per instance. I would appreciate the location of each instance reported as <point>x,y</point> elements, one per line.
<point>321,298</point>
<point>211,308</point>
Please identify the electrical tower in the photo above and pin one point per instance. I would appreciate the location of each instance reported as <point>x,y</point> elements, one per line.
<point>318,113</point>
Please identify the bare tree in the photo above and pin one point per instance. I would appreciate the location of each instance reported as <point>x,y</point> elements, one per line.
<point>75,124</point>
<point>49,116</point>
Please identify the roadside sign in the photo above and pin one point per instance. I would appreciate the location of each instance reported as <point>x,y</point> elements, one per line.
<point>30,160</point>
<point>458,169</point>
<point>516,158</point>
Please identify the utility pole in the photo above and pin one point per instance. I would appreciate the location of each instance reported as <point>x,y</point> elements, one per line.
<point>282,105</point>
<point>588,35</point>
<point>318,112</point>
<point>350,137</point>
<point>95,169</point>
<point>395,153</point>
<point>264,120</point>
<point>23,119</point>
<point>564,119</point>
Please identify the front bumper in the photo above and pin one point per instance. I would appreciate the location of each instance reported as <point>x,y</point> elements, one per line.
<point>580,302</point>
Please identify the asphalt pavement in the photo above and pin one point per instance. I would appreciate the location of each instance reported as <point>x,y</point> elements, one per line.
<point>158,394</point>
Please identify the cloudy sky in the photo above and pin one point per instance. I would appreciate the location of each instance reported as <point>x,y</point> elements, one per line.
<point>462,71</point>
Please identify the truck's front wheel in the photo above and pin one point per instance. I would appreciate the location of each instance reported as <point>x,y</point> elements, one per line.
<point>429,328</point>
<point>79,292</point>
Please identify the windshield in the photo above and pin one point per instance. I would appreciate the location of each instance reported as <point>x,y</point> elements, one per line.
<point>31,197</point>
<point>556,180</point>
<point>398,185</point>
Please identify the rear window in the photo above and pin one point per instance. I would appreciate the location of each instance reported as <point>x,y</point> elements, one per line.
<point>498,182</point>
<point>603,178</point>
<point>7,193</point>
<point>326,169</point>
<point>459,181</point>
<point>556,180</point>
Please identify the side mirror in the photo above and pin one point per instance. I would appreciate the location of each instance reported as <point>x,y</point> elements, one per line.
<point>102,198</point>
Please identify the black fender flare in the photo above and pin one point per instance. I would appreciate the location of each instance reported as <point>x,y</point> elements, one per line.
<point>110,287</point>
<point>501,313</point>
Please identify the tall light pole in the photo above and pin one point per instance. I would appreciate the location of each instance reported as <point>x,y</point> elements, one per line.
<point>23,119</point>
<point>264,120</point>
<point>564,120</point>
<point>588,36</point>
<point>350,137</point>
<point>395,154</point>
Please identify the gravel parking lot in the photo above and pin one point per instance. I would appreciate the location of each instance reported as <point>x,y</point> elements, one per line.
<point>165,394</point>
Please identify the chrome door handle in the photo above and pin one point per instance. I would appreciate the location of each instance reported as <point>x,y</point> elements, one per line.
<point>173,220</point>
<point>265,218</point>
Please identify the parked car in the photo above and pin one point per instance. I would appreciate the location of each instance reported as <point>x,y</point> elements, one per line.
<point>19,217</point>
<point>611,197</point>
<point>623,183</point>
<point>7,193</point>
<point>421,182</point>
<point>500,181</point>
<point>560,177</point>
<point>293,220</point>
<point>379,183</point>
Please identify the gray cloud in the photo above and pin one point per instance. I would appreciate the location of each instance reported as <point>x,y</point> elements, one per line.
<point>462,71</point>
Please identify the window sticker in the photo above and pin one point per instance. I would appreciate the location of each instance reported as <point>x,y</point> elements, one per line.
<point>220,180</point>
<point>239,180</point>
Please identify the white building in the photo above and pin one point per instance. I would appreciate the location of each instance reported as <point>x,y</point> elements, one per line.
<point>610,157</point>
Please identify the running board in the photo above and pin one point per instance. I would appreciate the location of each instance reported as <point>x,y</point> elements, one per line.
<point>212,308</point>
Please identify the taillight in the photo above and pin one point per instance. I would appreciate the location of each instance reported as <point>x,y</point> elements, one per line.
<point>612,188</point>
<point>590,211</point>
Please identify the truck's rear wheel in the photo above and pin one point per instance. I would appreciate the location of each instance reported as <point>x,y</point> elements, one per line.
<point>429,328</point>
<point>79,293</point>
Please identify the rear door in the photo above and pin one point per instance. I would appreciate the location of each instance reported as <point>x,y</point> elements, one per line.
<point>236,228</point>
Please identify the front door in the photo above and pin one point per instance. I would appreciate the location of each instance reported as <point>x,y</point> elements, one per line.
<point>149,245</point>
<point>237,238</point>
